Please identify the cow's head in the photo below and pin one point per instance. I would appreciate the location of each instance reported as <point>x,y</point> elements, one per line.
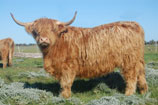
<point>45,31</point>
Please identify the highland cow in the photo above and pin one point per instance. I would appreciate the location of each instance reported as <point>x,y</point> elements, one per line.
<point>70,52</point>
<point>6,51</point>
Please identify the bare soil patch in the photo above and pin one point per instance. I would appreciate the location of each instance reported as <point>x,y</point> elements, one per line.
<point>28,55</point>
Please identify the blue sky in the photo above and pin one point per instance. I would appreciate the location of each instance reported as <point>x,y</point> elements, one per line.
<point>90,13</point>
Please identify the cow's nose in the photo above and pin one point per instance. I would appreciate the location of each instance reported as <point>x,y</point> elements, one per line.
<point>44,39</point>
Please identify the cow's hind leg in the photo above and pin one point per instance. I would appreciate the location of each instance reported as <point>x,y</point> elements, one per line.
<point>130,76</point>
<point>10,57</point>
<point>66,81</point>
<point>9,60</point>
<point>141,83</point>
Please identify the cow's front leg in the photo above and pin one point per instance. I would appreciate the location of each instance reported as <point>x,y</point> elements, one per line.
<point>4,61</point>
<point>66,80</point>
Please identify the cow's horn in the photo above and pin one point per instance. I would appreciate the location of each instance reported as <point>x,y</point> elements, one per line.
<point>72,20</point>
<point>18,22</point>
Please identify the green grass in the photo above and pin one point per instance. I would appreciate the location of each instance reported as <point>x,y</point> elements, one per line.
<point>151,57</point>
<point>27,71</point>
<point>21,65</point>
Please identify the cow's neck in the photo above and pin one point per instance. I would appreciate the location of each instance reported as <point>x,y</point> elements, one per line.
<point>44,51</point>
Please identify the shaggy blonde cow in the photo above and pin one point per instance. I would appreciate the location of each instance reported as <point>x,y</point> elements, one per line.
<point>70,52</point>
<point>6,51</point>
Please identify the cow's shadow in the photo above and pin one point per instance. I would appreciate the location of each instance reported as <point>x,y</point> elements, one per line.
<point>1,65</point>
<point>113,81</point>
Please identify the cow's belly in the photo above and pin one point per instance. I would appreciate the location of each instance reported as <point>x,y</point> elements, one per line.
<point>95,71</point>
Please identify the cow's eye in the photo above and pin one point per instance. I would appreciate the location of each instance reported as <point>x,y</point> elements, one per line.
<point>34,33</point>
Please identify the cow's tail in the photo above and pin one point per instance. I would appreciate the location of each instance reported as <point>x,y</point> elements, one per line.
<point>11,52</point>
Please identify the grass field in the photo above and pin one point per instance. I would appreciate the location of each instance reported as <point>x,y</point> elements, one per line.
<point>26,83</point>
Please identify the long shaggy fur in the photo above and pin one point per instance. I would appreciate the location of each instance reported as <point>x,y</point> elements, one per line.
<point>6,51</point>
<point>92,52</point>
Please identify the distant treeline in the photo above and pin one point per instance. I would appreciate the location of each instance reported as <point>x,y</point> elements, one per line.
<point>151,42</point>
<point>33,44</point>
<point>23,44</point>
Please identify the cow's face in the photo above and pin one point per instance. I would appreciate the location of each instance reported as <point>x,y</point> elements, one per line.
<point>45,31</point>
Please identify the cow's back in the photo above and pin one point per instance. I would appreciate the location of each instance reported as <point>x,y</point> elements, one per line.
<point>110,43</point>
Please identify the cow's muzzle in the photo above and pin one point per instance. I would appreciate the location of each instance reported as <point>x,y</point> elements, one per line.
<point>44,41</point>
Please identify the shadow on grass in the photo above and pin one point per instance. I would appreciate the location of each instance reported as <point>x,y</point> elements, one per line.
<point>1,65</point>
<point>113,81</point>
<point>52,87</point>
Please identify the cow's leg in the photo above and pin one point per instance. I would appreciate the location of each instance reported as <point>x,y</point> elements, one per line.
<point>10,59</point>
<point>130,76</point>
<point>66,81</point>
<point>142,85</point>
<point>4,62</point>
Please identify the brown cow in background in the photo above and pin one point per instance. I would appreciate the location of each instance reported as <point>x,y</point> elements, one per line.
<point>70,52</point>
<point>6,51</point>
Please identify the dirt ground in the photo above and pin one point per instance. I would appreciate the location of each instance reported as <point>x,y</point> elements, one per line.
<point>28,55</point>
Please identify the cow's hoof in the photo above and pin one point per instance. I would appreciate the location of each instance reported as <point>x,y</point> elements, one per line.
<point>66,94</point>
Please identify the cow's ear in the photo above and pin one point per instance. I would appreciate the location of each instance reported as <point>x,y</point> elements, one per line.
<point>29,29</point>
<point>62,29</point>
